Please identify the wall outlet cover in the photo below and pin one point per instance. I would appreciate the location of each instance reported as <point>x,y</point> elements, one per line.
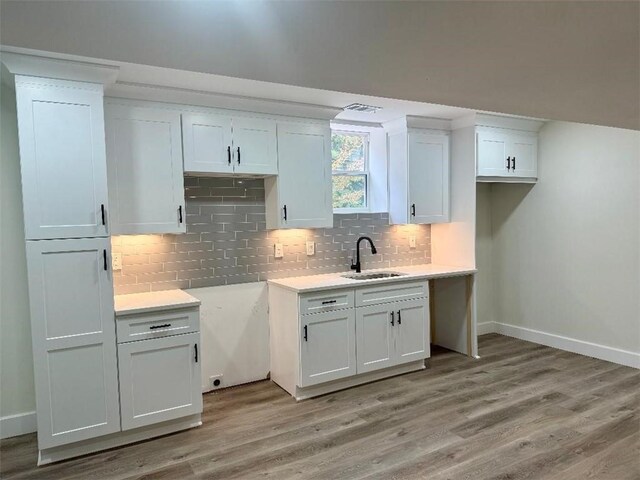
<point>116,260</point>
<point>278,250</point>
<point>215,381</point>
<point>412,241</point>
<point>311,248</point>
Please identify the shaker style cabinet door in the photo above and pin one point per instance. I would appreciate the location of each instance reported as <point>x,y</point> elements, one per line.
<point>74,339</point>
<point>144,160</point>
<point>327,346</point>
<point>428,178</point>
<point>207,143</point>
<point>62,157</point>
<point>523,150</point>
<point>255,147</point>
<point>412,321</point>
<point>492,155</point>
<point>159,379</point>
<point>375,337</point>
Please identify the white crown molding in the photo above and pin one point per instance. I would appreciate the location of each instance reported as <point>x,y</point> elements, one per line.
<point>40,66</point>
<point>498,121</point>
<point>414,121</point>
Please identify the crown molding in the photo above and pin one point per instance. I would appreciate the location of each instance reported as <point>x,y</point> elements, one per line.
<point>498,121</point>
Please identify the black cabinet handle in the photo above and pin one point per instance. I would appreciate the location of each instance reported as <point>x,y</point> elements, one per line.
<point>229,155</point>
<point>284,209</point>
<point>195,347</point>
<point>238,155</point>
<point>180,214</point>
<point>393,319</point>
<point>104,221</point>
<point>306,337</point>
<point>328,302</point>
<point>508,163</point>
<point>514,164</point>
<point>413,210</point>
<point>399,318</point>
<point>104,258</point>
<point>164,325</point>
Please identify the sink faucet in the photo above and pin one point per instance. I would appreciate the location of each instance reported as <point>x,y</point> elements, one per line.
<point>356,266</point>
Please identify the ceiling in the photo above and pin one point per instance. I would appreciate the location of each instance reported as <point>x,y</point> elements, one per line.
<point>565,60</point>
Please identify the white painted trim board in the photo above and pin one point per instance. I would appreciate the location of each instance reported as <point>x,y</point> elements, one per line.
<point>19,424</point>
<point>610,354</point>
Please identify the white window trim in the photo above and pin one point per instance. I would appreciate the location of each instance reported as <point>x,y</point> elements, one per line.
<point>365,172</point>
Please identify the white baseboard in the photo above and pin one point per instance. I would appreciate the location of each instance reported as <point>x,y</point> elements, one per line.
<point>14,425</point>
<point>486,327</point>
<point>610,354</point>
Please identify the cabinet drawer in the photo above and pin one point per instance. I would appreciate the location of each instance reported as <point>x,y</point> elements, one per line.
<point>157,324</point>
<point>326,301</point>
<point>391,292</point>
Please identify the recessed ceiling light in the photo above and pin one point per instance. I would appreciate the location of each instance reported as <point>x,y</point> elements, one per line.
<point>361,107</point>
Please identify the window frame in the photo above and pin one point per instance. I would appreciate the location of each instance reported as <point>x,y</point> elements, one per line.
<point>355,173</point>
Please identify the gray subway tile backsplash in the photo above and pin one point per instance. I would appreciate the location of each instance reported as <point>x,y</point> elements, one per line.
<point>227,243</point>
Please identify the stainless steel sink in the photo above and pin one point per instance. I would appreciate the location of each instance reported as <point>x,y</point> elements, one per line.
<point>372,275</point>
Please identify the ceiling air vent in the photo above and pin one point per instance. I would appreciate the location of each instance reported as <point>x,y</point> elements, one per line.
<point>361,107</point>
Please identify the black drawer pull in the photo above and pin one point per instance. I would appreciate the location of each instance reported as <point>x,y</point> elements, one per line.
<point>164,325</point>
<point>180,214</point>
<point>328,302</point>
<point>229,155</point>
<point>195,347</point>
<point>238,155</point>
<point>508,163</point>
<point>104,259</point>
<point>104,221</point>
<point>399,318</point>
<point>393,319</point>
<point>514,164</point>
<point>306,336</point>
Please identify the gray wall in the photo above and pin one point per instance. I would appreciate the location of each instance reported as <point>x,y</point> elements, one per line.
<point>16,363</point>
<point>227,243</point>
<point>564,60</point>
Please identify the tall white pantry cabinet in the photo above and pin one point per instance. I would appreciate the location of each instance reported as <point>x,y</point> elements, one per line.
<point>64,187</point>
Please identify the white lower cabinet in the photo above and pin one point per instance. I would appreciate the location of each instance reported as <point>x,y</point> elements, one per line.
<point>328,347</point>
<point>159,371</point>
<point>159,380</point>
<point>332,339</point>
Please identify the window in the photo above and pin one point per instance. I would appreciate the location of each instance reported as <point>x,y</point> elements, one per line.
<point>350,169</point>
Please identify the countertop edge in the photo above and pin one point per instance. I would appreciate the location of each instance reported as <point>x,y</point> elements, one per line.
<point>188,301</point>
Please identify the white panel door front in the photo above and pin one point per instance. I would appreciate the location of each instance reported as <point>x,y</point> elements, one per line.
<point>207,143</point>
<point>492,155</point>
<point>412,319</point>
<point>62,158</point>
<point>524,155</point>
<point>428,178</point>
<point>254,146</point>
<point>375,332</point>
<point>304,178</point>
<point>144,153</point>
<point>327,346</point>
<point>74,340</point>
<point>159,379</point>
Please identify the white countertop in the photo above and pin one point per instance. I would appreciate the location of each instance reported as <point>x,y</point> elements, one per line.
<point>336,280</point>
<point>153,301</point>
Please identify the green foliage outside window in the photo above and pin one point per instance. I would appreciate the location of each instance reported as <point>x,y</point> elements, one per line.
<point>348,154</point>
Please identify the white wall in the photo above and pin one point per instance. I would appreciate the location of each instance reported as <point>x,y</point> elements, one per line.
<point>16,364</point>
<point>566,251</point>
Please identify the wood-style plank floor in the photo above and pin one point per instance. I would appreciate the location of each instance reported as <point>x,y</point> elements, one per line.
<point>523,411</point>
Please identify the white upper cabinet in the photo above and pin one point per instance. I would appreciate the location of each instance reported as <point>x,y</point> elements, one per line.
<point>506,155</point>
<point>220,144</point>
<point>74,339</point>
<point>62,157</point>
<point>300,196</point>
<point>144,159</point>
<point>418,177</point>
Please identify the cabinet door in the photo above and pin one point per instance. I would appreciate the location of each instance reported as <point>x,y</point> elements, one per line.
<point>207,143</point>
<point>412,340</point>
<point>159,379</point>
<point>492,154</point>
<point>62,157</point>
<point>327,346</point>
<point>144,160</point>
<point>300,197</point>
<point>375,337</point>
<point>74,340</point>
<point>428,178</point>
<point>524,155</point>
<point>255,146</point>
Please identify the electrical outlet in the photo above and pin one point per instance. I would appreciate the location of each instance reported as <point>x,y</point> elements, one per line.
<point>215,381</point>
<point>116,260</point>
<point>412,241</point>
<point>311,248</point>
<point>278,250</point>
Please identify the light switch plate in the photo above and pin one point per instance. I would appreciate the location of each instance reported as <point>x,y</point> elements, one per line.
<point>116,260</point>
<point>412,241</point>
<point>278,250</point>
<point>311,248</point>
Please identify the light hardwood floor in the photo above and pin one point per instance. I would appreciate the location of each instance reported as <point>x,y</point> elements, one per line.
<point>523,411</point>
